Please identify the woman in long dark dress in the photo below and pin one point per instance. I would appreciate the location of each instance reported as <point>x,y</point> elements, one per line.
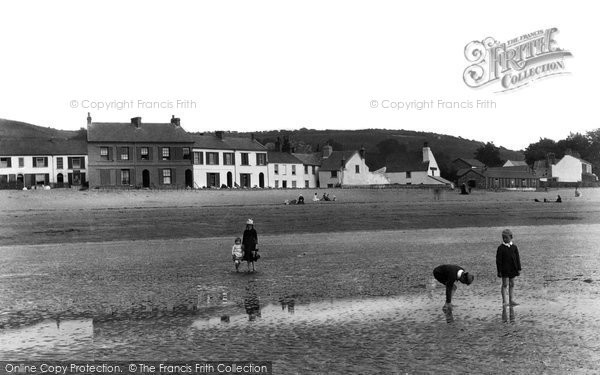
<point>250,244</point>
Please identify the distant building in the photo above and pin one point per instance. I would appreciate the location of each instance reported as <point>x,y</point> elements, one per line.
<point>462,163</point>
<point>417,168</point>
<point>515,163</point>
<point>286,171</point>
<point>506,178</point>
<point>569,169</point>
<point>221,160</point>
<point>53,162</point>
<point>347,168</point>
<point>136,154</point>
<point>311,164</point>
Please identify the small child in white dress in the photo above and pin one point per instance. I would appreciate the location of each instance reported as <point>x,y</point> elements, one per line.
<point>237,253</point>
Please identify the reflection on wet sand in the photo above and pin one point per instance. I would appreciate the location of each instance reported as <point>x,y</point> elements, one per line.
<point>508,314</point>
<point>56,335</point>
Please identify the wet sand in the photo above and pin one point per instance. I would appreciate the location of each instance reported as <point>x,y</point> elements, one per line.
<point>363,300</point>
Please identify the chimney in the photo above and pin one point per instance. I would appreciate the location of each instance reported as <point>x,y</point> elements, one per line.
<point>252,136</point>
<point>426,152</point>
<point>278,144</point>
<point>219,134</point>
<point>137,121</point>
<point>362,152</point>
<point>175,121</point>
<point>89,119</point>
<point>550,159</point>
<point>327,150</point>
<point>568,152</point>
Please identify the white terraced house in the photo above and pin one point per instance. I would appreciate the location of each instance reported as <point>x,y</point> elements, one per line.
<point>235,162</point>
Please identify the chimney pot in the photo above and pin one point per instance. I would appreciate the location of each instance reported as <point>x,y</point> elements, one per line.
<point>137,121</point>
<point>89,119</point>
<point>219,134</point>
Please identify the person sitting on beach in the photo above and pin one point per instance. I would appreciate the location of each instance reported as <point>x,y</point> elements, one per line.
<point>577,193</point>
<point>559,199</point>
<point>325,197</point>
<point>315,198</point>
<point>448,274</point>
<point>508,264</point>
<point>300,199</point>
<point>334,198</point>
<point>237,253</point>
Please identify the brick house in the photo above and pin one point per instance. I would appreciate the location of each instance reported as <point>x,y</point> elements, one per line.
<point>136,154</point>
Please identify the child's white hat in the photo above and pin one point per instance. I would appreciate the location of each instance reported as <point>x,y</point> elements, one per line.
<point>250,222</point>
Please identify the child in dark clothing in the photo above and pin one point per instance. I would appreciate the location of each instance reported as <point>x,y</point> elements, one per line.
<point>448,274</point>
<point>508,264</point>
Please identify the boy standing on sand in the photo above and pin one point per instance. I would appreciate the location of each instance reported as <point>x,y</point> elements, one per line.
<point>508,264</point>
<point>448,274</point>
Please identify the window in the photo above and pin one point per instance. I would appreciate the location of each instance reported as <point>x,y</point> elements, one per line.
<point>408,175</point>
<point>228,158</point>
<point>294,184</point>
<point>166,154</point>
<point>261,159</point>
<point>59,163</point>
<point>166,174</point>
<point>39,162</point>
<point>198,157</point>
<point>293,170</point>
<point>306,184</point>
<point>5,162</point>
<point>124,176</point>
<point>283,169</point>
<point>357,168</point>
<point>124,153</point>
<point>276,167</point>
<point>334,173</point>
<point>313,169</point>
<point>186,153</point>
<point>245,180</point>
<point>22,162</point>
<point>245,158</point>
<point>212,158</point>
<point>144,153</point>
<point>276,184</point>
<point>306,169</point>
<point>104,153</point>
<point>76,163</point>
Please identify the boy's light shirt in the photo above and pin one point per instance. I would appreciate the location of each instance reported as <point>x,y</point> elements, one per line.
<point>507,244</point>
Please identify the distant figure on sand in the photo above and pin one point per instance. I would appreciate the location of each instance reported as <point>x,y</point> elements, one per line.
<point>558,199</point>
<point>508,264</point>
<point>315,198</point>
<point>300,199</point>
<point>250,244</point>
<point>448,274</point>
<point>577,193</point>
<point>463,190</point>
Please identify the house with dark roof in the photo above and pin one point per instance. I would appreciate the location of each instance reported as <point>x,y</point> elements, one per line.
<point>416,168</point>
<point>311,164</point>
<point>286,171</point>
<point>222,160</point>
<point>137,154</point>
<point>506,178</point>
<point>28,162</point>
<point>347,168</point>
<point>462,163</point>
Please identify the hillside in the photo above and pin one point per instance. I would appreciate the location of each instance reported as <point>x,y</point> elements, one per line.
<point>10,129</point>
<point>446,148</point>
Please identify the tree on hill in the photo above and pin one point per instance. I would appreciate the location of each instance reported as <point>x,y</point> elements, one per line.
<point>489,155</point>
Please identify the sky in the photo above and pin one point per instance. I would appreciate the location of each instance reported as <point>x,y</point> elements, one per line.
<point>265,65</point>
